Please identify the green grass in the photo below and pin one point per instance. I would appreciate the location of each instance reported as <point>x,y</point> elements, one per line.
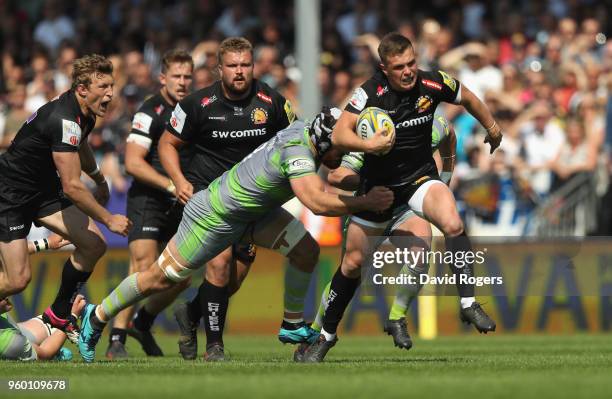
<point>358,367</point>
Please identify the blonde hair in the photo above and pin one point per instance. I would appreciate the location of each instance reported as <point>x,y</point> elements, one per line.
<point>83,68</point>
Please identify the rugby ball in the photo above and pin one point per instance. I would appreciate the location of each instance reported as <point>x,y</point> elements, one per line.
<point>370,120</point>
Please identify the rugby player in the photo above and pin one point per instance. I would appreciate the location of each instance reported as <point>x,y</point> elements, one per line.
<point>407,224</point>
<point>244,204</point>
<point>222,123</point>
<point>40,182</point>
<point>151,203</point>
<point>410,96</point>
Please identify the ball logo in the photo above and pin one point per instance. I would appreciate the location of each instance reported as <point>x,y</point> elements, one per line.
<point>74,140</point>
<point>173,122</point>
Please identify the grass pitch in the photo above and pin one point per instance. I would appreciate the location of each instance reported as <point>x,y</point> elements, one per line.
<point>358,367</point>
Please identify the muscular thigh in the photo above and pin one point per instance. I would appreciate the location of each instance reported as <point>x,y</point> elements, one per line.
<point>278,230</point>
<point>74,225</point>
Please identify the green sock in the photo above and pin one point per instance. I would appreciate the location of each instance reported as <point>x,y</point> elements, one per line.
<point>296,288</point>
<point>126,294</point>
<point>317,324</point>
<point>404,295</point>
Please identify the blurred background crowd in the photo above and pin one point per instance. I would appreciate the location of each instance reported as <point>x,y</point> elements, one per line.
<point>543,67</point>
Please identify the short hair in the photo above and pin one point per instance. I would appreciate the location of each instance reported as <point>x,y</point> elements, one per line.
<point>86,66</point>
<point>176,56</point>
<point>233,45</point>
<point>393,43</point>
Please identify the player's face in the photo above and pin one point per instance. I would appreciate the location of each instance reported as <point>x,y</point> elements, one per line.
<point>401,70</point>
<point>177,80</point>
<point>99,93</point>
<point>236,70</point>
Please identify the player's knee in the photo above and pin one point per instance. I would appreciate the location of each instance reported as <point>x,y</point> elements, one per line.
<point>453,227</point>
<point>18,282</point>
<point>352,261</point>
<point>218,272</point>
<point>305,255</point>
<point>94,247</point>
<point>142,262</point>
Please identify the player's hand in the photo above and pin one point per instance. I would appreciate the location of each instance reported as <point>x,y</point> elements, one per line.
<point>184,191</point>
<point>382,141</point>
<point>119,224</point>
<point>78,305</point>
<point>494,137</point>
<point>379,198</point>
<point>56,241</point>
<point>102,193</point>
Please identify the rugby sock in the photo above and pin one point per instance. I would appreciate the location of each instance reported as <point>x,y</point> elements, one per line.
<point>461,244</point>
<point>296,287</point>
<point>126,294</point>
<point>328,336</point>
<point>405,294</point>
<point>193,307</point>
<point>317,324</point>
<point>214,302</point>
<point>341,292</point>
<point>117,334</point>
<point>144,320</point>
<point>72,280</point>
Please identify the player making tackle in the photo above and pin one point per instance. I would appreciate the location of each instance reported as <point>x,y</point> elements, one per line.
<point>244,204</point>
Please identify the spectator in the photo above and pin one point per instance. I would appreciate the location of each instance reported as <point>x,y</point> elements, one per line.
<point>575,156</point>
<point>55,27</point>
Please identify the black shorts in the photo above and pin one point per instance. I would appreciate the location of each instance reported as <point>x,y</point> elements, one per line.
<point>155,215</point>
<point>402,194</point>
<point>244,252</point>
<point>18,210</point>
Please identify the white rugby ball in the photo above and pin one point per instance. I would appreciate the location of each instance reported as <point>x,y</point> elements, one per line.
<point>370,120</point>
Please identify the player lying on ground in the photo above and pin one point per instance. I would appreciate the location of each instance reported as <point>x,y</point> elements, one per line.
<point>410,96</point>
<point>33,339</point>
<point>243,205</point>
<point>418,229</point>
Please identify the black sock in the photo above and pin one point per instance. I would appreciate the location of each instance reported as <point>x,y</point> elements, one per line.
<point>72,280</point>
<point>117,334</point>
<point>341,292</point>
<point>214,302</point>
<point>461,243</point>
<point>194,308</point>
<point>292,326</point>
<point>144,320</point>
<point>96,323</point>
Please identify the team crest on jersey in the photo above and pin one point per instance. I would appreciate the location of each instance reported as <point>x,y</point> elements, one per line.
<point>264,98</point>
<point>206,101</point>
<point>71,132</point>
<point>449,81</point>
<point>381,90</point>
<point>431,84</point>
<point>238,111</point>
<point>259,116</point>
<point>159,109</point>
<point>359,99</point>
<point>423,103</point>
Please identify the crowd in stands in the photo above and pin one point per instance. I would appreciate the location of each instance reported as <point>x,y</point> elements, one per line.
<point>543,67</point>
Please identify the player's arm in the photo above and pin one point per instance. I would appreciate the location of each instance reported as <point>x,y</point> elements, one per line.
<point>137,166</point>
<point>310,190</point>
<point>448,153</point>
<point>343,178</point>
<point>168,148</point>
<point>68,166</point>
<point>345,138</point>
<point>54,241</point>
<point>90,167</point>
<point>481,112</point>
